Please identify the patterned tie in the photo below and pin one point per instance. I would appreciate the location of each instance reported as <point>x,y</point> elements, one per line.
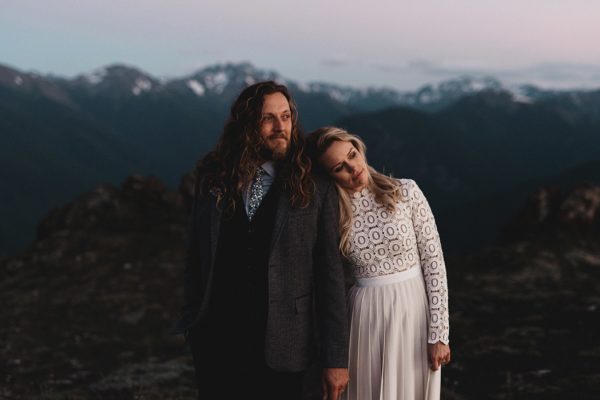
<point>256,192</point>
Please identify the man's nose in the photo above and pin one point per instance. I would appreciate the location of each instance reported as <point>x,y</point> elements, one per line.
<point>278,124</point>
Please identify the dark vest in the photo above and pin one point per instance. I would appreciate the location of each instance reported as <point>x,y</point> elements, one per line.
<point>239,303</point>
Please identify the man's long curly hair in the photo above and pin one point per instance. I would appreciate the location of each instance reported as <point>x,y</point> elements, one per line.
<point>231,166</point>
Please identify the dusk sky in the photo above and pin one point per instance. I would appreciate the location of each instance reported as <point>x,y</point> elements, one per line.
<point>401,44</point>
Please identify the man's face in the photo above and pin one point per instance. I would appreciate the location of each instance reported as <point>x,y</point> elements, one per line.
<point>276,126</point>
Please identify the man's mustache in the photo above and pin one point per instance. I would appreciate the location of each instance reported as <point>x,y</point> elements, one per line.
<point>277,135</point>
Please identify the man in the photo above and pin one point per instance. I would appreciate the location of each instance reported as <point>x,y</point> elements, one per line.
<point>264,285</point>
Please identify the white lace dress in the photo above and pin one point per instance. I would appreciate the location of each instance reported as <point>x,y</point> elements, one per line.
<point>400,300</point>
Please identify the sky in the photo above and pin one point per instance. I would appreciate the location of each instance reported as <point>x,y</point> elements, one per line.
<point>379,43</point>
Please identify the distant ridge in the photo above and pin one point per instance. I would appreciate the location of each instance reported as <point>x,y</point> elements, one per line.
<point>229,78</point>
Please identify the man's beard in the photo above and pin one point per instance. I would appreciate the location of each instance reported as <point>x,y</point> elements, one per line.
<point>278,153</point>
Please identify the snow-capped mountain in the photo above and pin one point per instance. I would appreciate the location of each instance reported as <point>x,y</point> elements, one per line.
<point>433,97</point>
<point>226,80</point>
<point>222,79</point>
<point>115,80</point>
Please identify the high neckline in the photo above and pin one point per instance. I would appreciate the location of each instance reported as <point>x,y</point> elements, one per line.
<point>361,193</point>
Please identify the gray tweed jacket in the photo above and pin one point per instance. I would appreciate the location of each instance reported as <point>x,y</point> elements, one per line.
<point>306,283</point>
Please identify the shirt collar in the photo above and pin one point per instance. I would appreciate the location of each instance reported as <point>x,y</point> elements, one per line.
<point>269,167</point>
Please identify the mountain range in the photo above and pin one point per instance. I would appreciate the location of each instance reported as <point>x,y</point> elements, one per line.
<point>469,142</point>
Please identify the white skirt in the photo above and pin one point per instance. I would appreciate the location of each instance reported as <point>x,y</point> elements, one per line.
<point>388,340</point>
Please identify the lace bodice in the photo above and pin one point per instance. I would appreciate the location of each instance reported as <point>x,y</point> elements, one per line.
<point>384,242</point>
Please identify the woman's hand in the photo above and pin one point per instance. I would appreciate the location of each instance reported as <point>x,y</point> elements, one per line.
<point>439,354</point>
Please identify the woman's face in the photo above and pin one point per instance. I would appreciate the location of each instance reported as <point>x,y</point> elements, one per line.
<point>346,165</point>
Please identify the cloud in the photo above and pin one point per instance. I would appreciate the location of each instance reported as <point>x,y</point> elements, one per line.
<point>335,61</point>
<point>548,75</point>
<point>554,75</point>
<point>430,68</point>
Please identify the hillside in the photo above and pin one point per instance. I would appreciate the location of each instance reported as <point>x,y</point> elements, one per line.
<point>89,305</point>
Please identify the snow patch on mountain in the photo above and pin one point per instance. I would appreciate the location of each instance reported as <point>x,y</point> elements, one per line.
<point>339,95</point>
<point>303,87</point>
<point>216,82</point>
<point>477,86</point>
<point>520,97</point>
<point>429,96</point>
<point>141,85</point>
<point>18,80</point>
<point>196,87</point>
<point>95,77</point>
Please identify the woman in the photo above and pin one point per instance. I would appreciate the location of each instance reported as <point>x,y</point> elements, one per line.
<point>399,303</point>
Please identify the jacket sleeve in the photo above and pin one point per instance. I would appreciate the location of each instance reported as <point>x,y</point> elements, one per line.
<point>432,263</point>
<point>330,285</point>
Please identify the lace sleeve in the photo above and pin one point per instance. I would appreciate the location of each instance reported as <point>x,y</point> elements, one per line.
<point>432,263</point>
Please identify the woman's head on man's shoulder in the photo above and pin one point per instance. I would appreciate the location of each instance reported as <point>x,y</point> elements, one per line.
<point>341,155</point>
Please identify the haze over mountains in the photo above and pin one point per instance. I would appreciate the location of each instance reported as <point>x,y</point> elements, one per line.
<point>474,145</point>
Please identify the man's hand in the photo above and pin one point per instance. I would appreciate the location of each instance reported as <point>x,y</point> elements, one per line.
<point>334,382</point>
<point>439,354</point>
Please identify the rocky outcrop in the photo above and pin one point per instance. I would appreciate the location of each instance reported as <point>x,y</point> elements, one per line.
<point>140,203</point>
<point>551,210</point>
<point>88,307</point>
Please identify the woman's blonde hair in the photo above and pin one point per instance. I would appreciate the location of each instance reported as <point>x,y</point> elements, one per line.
<point>385,188</point>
